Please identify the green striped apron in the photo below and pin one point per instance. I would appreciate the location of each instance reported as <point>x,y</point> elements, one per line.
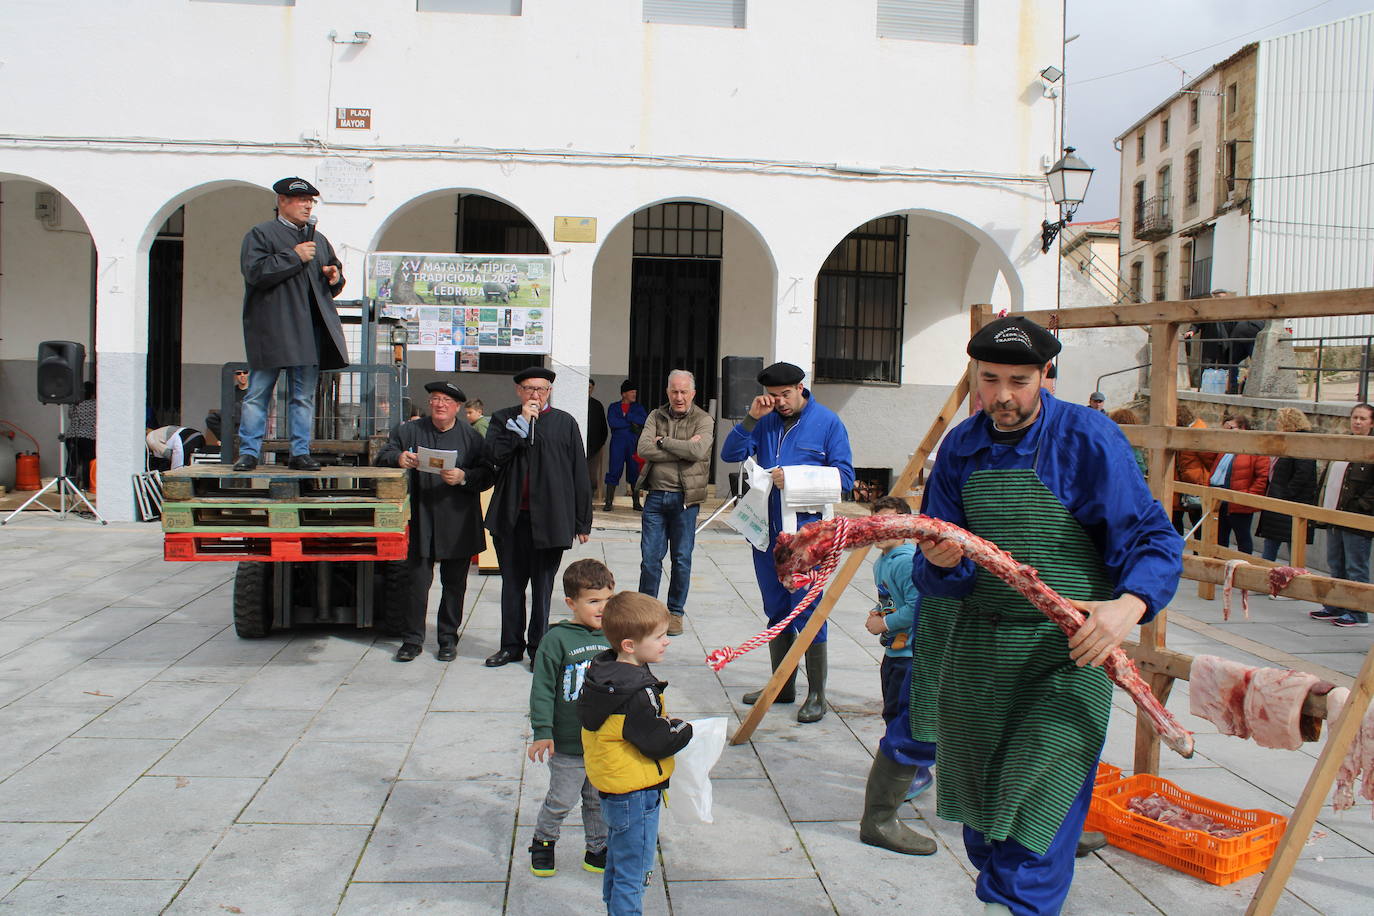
<point>1020,725</point>
<point>936,618</point>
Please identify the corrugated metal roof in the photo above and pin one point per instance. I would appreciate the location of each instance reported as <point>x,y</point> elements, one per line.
<point>1312,193</point>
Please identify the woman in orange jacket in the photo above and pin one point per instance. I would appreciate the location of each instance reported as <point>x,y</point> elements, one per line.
<point>1247,474</point>
<point>1190,467</point>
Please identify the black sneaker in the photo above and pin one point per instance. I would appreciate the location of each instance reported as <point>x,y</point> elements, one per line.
<point>1350,620</point>
<point>1322,613</point>
<point>595,862</point>
<point>541,859</point>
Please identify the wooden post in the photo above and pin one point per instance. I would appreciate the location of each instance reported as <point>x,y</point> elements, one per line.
<point>900,487</point>
<point>1163,412</point>
<point>1298,546</point>
<point>1338,741</point>
<point>1206,590</point>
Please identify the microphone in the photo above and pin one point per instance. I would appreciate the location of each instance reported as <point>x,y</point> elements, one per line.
<point>310,227</point>
<point>532,421</point>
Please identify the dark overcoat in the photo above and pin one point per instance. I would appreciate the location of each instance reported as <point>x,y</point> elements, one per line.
<point>560,493</point>
<point>282,298</point>
<point>445,520</point>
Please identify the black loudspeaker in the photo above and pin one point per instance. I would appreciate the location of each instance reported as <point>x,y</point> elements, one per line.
<point>61,365</point>
<point>739,384</point>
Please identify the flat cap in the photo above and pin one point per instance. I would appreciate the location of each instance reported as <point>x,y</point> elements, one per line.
<point>296,187</point>
<point>628,385</point>
<point>1013,341</point>
<point>447,388</point>
<point>781,374</point>
<point>1097,396</point>
<point>525,375</point>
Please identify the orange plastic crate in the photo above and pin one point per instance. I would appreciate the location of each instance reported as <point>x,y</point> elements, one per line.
<point>1194,852</point>
<point>1106,775</point>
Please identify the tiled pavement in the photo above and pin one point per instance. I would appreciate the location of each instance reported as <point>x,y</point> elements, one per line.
<point>152,762</point>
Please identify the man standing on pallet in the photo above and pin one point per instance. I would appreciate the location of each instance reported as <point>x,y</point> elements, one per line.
<point>1022,710</point>
<point>291,276</point>
<point>445,515</point>
<point>785,427</point>
<point>541,504</point>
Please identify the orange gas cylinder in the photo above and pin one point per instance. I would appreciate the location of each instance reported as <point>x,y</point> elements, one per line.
<point>26,471</point>
<point>92,472</point>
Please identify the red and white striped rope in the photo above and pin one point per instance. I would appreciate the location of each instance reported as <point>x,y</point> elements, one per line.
<point>817,579</point>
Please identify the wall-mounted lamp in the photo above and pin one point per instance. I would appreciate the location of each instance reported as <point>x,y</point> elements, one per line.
<point>1051,74</point>
<point>1068,180</point>
<point>359,38</point>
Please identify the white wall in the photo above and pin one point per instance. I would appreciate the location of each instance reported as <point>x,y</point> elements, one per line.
<point>45,288</point>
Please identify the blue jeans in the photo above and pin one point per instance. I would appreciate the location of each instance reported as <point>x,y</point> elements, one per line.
<point>667,522</point>
<point>1229,523</point>
<point>1271,549</point>
<point>1347,557</point>
<point>300,408</point>
<point>631,845</point>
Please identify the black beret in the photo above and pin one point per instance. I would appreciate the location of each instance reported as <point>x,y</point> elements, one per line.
<point>447,388</point>
<point>1014,341</point>
<point>296,187</point>
<point>525,375</point>
<point>781,374</point>
<point>628,385</point>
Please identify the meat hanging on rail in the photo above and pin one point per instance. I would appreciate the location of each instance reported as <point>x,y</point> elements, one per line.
<point>820,543</point>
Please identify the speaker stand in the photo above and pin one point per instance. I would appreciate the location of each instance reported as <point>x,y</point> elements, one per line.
<point>66,487</point>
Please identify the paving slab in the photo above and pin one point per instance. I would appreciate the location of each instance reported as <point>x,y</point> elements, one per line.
<point>468,745</point>
<point>76,779</point>
<point>23,847</point>
<point>368,713</point>
<point>160,827</point>
<point>160,709</point>
<point>292,684</point>
<point>274,868</point>
<point>398,899</point>
<point>773,897</point>
<point>742,808</point>
<point>442,830</point>
<point>323,782</point>
<point>90,898</point>
<point>234,741</point>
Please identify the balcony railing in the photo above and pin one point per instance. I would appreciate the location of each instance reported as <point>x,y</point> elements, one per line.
<point>1154,218</point>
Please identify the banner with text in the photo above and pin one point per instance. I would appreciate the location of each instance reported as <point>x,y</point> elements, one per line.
<point>496,303</point>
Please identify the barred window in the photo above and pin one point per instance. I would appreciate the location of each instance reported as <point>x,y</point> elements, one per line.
<point>860,301</point>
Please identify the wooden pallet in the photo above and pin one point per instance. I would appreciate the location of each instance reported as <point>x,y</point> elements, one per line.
<point>217,481</point>
<point>284,547</point>
<point>313,515</point>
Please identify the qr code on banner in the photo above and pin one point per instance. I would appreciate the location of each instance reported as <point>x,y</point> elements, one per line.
<point>383,267</point>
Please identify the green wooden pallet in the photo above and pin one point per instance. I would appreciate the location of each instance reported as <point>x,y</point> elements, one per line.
<point>317,515</point>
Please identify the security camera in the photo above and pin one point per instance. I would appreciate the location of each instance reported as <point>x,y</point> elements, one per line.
<point>363,36</point>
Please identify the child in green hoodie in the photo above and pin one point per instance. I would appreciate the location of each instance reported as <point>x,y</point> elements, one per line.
<point>560,666</point>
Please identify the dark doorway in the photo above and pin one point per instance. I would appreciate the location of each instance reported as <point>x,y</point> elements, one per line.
<point>164,321</point>
<point>675,297</point>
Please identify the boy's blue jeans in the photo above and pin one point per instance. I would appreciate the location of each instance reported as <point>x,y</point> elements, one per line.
<point>632,819</point>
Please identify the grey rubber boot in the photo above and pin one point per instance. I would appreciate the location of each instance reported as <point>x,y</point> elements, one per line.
<point>883,794</point>
<point>609,505</point>
<point>817,666</point>
<point>1090,842</point>
<point>776,650</point>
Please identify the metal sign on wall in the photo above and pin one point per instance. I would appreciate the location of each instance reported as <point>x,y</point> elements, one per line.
<point>344,181</point>
<point>353,118</point>
<point>496,303</point>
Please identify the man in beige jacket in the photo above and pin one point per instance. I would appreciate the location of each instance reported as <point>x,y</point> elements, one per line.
<point>676,448</point>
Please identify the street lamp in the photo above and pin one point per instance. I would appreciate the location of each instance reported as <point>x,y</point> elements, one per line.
<point>1068,179</point>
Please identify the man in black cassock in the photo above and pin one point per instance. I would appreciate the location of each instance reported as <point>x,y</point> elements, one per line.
<point>445,515</point>
<point>542,502</point>
<point>291,276</point>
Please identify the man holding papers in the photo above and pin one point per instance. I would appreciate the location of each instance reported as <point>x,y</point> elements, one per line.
<point>449,468</point>
<point>785,430</point>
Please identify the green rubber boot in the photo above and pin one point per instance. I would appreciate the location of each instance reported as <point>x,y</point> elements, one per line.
<point>817,666</point>
<point>887,785</point>
<point>776,650</point>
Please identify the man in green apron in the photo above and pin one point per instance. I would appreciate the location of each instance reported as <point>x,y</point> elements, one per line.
<point>1022,709</point>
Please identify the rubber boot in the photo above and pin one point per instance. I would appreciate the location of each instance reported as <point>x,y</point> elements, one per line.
<point>1090,842</point>
<point>610,499</point>
<point>883,793</point>
<point>776,650</point>
<point>817,666</point>
<point>634,498</point>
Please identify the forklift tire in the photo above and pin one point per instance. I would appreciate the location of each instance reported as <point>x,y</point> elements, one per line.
<point>391,596</point>
<point>253,600</point>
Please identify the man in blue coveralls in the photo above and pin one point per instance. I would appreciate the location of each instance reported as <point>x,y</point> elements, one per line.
<point>787,426</point>
<point>626,419</point>
<point>1023,710</point>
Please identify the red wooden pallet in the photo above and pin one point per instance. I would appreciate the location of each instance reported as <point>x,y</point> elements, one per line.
<point>285,547</point>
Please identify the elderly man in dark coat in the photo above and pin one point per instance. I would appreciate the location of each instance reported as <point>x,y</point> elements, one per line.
<point>445,514</point>
<point>541,504</point>
<point>291,276</point>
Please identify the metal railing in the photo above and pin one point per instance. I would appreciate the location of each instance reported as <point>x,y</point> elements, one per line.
<point>1323,346</point>
<point>1154,218</point>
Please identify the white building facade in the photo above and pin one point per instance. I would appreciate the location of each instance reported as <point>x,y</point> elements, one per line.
<point>130,173</point>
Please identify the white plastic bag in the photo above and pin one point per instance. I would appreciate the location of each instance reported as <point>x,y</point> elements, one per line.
<point>689,791</point>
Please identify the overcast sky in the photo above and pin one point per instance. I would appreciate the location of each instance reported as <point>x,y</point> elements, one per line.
<point>1115,35</point>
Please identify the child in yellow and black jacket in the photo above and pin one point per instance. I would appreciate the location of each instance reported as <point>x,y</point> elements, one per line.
<point>628,742</point>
